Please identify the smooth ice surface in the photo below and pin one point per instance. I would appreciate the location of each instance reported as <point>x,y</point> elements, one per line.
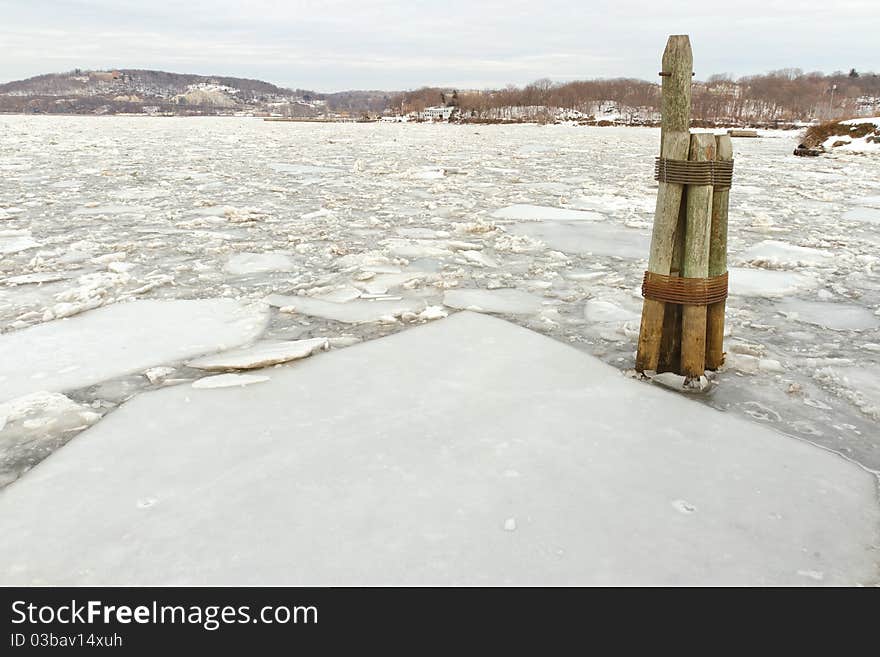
<point>13,241</point>
<point>260,355</point>
<point>588,239</point>
<point>256,263</point>
<point>600,311</point>
<point>775,254</point>
<point>768,283</point>
<point>120,339</point>
<point>835,316</point>
<point>536,212</point>
<point>868,215</point>
<point>507,301</point>
<point>467,451</point>
<point>228,381</point>
<point>350,312</point>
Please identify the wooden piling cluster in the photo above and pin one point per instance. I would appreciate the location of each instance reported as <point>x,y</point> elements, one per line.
<point>682,323</point>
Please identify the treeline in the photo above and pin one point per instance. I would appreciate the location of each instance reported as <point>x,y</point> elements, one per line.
<point>787,95</point>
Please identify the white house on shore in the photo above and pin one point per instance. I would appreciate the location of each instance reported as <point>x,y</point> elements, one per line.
<point>440,113</point>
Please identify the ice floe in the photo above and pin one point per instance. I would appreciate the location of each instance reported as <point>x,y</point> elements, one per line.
<point>13,241</point>
<point>255,263</point>
<point>351,312</point>
<point>868,215</point>
<point>434,421</point>
<point>835,316</point>
<point>858,385</point>
<point>536,213</point>
<point>588,238</point>
<point>113,209</point>
<point>506,301</point>
<point>262,354</point>
<point>782,255</point>
<point>35,278</point>
<point>768,283</point>
<point>228,381</point>
<point>600,311</point>
<point>119,339</point>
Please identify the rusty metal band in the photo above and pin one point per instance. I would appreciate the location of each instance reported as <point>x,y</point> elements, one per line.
<point>718,173</point>
<point>680,290</point>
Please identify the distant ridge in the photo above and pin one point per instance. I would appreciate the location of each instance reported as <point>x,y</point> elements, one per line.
<point>153,83</point>
<point>161,92</point>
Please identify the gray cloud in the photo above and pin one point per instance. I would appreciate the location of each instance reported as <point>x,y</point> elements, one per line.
<point>385,44</point>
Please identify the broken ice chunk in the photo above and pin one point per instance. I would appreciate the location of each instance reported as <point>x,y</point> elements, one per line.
<point>228,381</point>
<point>260,355</point>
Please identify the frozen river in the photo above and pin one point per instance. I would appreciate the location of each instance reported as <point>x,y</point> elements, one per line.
<point>353,231</point>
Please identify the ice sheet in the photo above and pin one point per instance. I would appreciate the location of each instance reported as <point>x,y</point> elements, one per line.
<point>261,354</point>
<point>119,339</point>
<point>13,241</point>
<point>868,215</point>
<point>522,212</point>
<point>468,451</point>
<point>256,263</point>
<point>589,239</point>
<point>351,312</point>
<point>507,301</point>
<point>782,255</point>
<point>768,283</point>
<point>835,316</point>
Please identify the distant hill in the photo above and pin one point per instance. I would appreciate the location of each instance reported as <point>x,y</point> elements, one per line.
<point>139,91</point>
<point>160,84</point>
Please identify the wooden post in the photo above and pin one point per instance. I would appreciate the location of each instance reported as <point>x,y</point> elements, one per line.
<point>674,144</point>
<point>718,260</point>
<point>695,263</point>
<point>670,344</point>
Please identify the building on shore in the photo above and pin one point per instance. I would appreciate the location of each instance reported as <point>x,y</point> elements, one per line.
<point>438,113</point>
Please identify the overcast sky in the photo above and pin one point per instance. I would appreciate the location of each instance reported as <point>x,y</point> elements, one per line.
<point>329,45</point>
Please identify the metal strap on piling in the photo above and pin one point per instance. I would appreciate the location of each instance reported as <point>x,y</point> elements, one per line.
<point>718,173</point>
<point>685,291</point>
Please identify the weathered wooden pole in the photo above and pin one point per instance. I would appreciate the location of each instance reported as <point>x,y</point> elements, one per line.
<point>695,263</point>
<point>718,259</point>
<point>674,144</point>
<point>670,344</point>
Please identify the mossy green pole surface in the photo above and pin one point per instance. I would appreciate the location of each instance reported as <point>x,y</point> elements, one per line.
<point>674,144</point>
<point>718,261</point>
